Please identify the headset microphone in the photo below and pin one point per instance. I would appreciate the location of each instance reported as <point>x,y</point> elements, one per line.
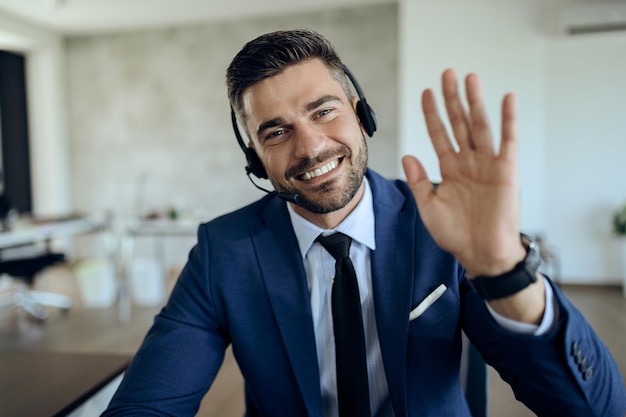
<point>291,197</point>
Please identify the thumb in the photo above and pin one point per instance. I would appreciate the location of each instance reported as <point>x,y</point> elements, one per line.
<point>417,179</point>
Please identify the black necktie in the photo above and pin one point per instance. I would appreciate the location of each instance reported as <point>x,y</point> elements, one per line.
<point>352,383</point>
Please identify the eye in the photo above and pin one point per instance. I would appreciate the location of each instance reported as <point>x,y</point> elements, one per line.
<point>323,112</point>
<point>273,135</point>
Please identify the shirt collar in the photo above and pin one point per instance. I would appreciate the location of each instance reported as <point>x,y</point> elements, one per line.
<point>359,224</point>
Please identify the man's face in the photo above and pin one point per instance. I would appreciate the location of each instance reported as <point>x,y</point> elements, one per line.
<point>306,133</point>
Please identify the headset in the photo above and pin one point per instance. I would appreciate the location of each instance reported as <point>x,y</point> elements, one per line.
<point>364,112</point>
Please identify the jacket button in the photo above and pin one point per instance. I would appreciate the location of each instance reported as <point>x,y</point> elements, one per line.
<point>588,373</point>
<point>579,358</point>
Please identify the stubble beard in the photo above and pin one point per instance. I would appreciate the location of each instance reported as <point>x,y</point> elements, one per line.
<point>333,199</point>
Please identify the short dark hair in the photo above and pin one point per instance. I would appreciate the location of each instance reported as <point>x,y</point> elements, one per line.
<point>270,54</point>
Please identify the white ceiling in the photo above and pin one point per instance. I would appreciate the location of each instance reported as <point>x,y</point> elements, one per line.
<point>97,16</point>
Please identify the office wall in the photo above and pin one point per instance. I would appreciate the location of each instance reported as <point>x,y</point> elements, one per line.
<point>571,99</point>
<point>497,40</point>
<point>149,118</point>
<point>586,152</point>
<point>570,90</point>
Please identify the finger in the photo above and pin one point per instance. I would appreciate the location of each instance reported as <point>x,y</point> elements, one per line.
<point>481,132</point>
<point>434,125</point>
<point>508,146</point>
<point>417,179</point>
<point>456,112</point>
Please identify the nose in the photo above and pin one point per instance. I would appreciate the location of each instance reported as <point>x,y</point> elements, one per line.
<point>309,142</point>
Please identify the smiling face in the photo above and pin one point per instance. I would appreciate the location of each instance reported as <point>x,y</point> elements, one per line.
<point>305,131</point>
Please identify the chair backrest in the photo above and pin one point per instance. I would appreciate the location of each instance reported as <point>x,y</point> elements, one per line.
<point>474,379</point>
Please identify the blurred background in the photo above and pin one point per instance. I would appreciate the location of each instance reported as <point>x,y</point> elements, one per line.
<point>127,112</point>
<point>117,111</point>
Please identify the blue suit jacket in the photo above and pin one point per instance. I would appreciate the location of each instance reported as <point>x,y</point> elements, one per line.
<point>245,285</point>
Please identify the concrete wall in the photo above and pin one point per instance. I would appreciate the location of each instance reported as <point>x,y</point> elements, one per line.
<point>149,117</point>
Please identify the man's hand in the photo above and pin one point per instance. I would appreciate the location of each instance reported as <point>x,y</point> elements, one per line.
<point>474,213</point>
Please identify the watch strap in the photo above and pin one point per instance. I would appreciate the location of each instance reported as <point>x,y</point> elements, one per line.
<point>521,276</point>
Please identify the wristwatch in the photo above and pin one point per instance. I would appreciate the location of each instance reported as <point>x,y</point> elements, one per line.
<point>520,277</point>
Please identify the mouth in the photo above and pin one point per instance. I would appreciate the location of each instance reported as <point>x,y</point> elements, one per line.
<point>324,169</point>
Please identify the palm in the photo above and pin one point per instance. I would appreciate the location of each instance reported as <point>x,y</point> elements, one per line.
<point>474,212</point>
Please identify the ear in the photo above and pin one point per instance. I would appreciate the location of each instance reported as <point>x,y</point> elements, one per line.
<point>355,101</point>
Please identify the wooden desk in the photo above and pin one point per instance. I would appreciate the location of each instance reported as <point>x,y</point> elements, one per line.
<point>46,384</point>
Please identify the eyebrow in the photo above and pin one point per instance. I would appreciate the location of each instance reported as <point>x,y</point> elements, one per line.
<point>308,107</point>
<point>268,125</point>
<point>324,99</point>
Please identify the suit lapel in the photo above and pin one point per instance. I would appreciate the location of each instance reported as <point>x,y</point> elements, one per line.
<point>285,280</point>
<point>392,280</point>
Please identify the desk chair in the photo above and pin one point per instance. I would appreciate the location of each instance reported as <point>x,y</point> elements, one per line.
<point>25,269</point>
<point>474,379</point>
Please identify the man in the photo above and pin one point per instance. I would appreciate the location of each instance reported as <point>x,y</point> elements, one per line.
<point>428,263</point>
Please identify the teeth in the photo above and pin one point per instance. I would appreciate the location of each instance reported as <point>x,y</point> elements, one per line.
<point>320,171</point>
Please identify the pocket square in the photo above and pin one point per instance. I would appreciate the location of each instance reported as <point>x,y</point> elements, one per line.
<point>427,302</point>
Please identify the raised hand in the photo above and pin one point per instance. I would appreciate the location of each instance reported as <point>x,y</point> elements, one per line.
<point>474,213</point>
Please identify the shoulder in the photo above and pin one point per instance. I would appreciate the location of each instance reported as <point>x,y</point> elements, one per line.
<point>390,191</point>
<point>249,217</point>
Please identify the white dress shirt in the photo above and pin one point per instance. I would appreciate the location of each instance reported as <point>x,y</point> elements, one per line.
<point>320,270</point>
<point>319,266</point>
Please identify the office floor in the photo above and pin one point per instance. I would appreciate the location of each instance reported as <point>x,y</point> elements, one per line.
<point>100,330</point>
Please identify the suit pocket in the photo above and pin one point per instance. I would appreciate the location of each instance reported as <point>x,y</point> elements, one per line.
<point>427,302</point>
<point>439,320</point>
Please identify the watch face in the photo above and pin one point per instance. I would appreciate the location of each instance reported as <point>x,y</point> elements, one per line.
<point>533,255</point>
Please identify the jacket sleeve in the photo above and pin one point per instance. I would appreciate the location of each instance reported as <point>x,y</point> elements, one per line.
<point>186,336</point>
<point>567,371</point>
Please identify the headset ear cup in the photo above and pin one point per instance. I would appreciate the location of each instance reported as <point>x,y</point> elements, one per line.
<point>367,116</point>
<point>255,166</point>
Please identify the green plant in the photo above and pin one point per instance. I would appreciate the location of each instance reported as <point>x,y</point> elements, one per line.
<point>619,221</point>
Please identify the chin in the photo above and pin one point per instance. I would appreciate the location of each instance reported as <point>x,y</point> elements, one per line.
<point>318,207</point>
<point>331,199</point>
